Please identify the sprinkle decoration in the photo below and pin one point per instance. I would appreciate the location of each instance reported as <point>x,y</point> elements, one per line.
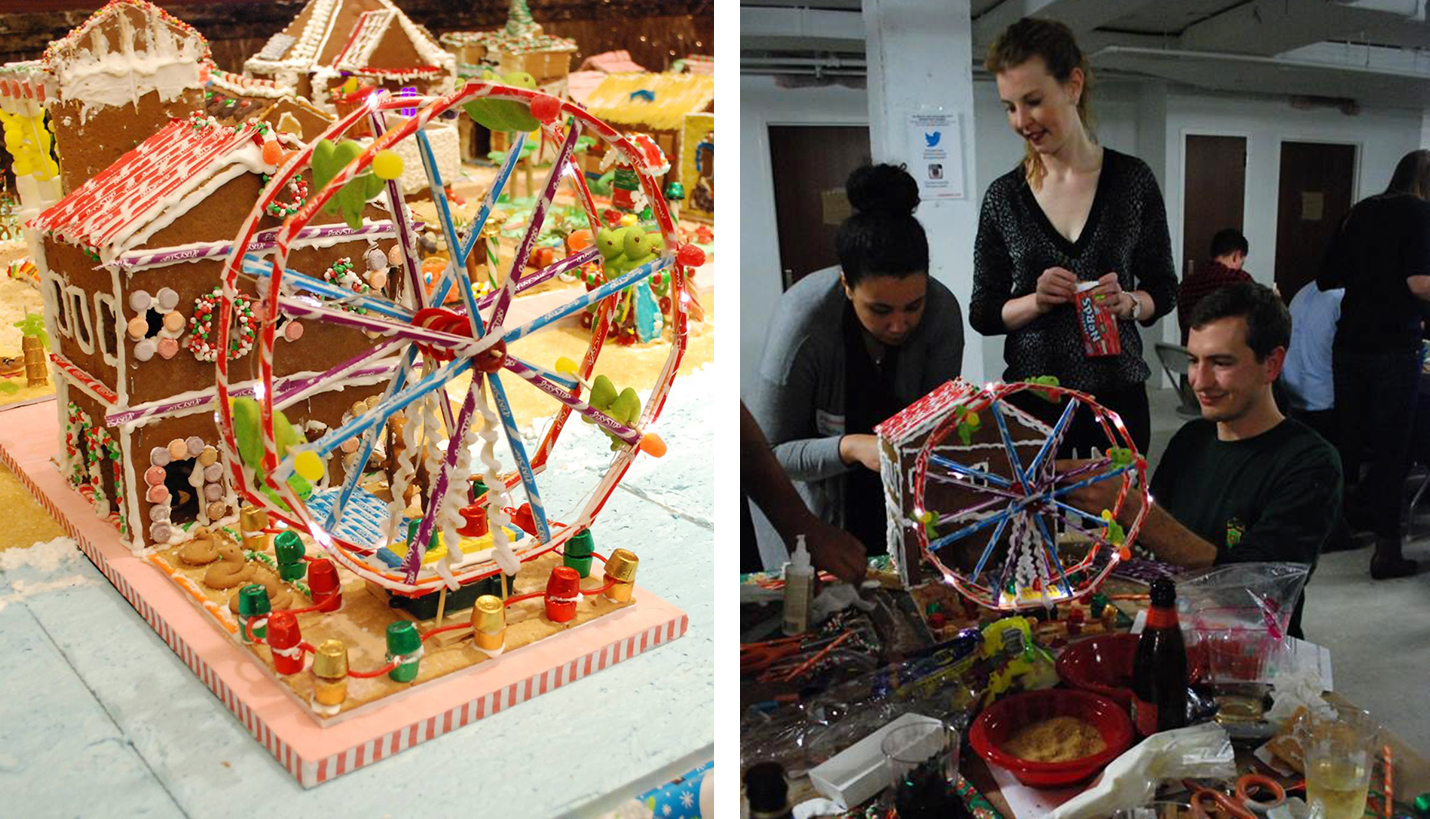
<point>201,334</point>
<point>282,209</point>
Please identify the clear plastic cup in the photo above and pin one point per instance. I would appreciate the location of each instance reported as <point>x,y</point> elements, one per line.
<point>922,761</point>
<point>1339,752</point>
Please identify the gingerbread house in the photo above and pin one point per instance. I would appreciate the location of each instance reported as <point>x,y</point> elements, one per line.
<point>117,78</point>
<point>979,446</point>
<point>130,266</point>
<point>520,45</point>
<point>332,40</point>
<point>234,98</point>
<point>655,104</point>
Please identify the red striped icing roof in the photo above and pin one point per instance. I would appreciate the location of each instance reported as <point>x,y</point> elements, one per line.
<point>921,415</point>
<point>153,176</point>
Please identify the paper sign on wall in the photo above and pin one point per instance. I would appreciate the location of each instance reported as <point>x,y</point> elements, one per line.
<point>936,148</point>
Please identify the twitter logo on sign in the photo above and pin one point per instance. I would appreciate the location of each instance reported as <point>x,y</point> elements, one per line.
<point>933,138</point>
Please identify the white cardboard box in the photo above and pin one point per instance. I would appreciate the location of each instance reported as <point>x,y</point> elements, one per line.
<point>857,773</point>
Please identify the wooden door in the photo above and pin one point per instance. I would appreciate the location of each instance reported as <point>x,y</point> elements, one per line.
<point>1315,190</point>
<point>1215,194</point>
<point>811,163</point>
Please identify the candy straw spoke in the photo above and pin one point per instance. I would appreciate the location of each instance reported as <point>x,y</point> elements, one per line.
<point>474,230</point>
<point>977,474</point>
<point>1009,445</point>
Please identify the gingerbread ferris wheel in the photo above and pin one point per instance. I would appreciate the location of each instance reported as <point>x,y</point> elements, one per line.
<point>444,466</point>
<point>990,498</point>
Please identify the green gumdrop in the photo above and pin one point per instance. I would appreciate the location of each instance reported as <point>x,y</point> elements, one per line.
<point>246,431</point>
<point>657,243</point>
<point>603,393</point>
<point>285,435</point>
<point>637,244</point>
<point>481,112</point>
<point>520,79</point>
<point>518,116</point>
<point>323,167</point>
<point>611,242</point>
<point>627,407</point>
<point>350,202</point>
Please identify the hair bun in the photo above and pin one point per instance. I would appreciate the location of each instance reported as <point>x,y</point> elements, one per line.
<point>885,187</point>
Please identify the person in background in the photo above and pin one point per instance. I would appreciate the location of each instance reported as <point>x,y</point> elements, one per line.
<point>765,484</point>
<point>1228,253</point>
<point>1072,214</point>
<point>1307,375</point>
<point>853,345</point>
<point>1381,256</point>
<point>1242,483</point>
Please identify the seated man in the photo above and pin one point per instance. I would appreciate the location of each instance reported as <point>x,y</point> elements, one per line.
<point>1243,483</point>
<point>1228,253</point>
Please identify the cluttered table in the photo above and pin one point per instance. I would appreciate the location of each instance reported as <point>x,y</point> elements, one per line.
<point>1033,714</point>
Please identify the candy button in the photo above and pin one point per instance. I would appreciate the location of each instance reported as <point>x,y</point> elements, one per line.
<point>138,328</point>
<point>378,279</point>
<point>139,301</point>
<point>216,510</point>
<point>195,445</point>
<point>157,494</point>
<point>208,457</point>
<point>350,445</point>
<point>293,330</point>
<point>159,456</point>
<point>178,450</point>
<point>376,259</point>
<point>173,321</point>
<point>144,350</point>
<point>213,492</point>
<point>168,348</point>
<point>154,475</point>
<point>168,299</point>
<point>160,532</point>
<point>213,472</point>
<point>358,408</point>
<point>159,513</point>
<point>394,255</point>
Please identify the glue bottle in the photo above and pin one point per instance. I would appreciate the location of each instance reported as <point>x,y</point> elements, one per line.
<point>799,589</point>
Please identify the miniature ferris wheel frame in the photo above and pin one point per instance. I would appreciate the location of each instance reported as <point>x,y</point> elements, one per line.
<point>444,347</point>
<point>1028,497</point>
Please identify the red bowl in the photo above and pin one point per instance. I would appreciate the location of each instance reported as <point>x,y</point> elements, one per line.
<point>1103,665</point>
<point>998,722</point>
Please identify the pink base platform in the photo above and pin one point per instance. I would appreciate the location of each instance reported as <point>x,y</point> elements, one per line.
<point>314,754</point>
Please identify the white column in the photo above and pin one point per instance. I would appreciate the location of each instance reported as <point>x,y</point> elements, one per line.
<point>920,59</point>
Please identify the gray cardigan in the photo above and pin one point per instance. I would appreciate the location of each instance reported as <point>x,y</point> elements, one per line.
<point>798,396</point>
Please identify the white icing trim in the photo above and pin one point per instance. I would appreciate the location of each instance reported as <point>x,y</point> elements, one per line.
<point>55,305</point>
<point>131,498</point>
<point>76,298</point>
<point>100,78</point>
<point>106,350</point>
<point>121,381</point>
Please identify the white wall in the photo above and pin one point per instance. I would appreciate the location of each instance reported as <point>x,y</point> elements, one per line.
<point>763,104</point>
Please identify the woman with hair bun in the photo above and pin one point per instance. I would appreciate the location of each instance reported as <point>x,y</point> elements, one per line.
<point>1072,214</point>
<point>851,346</point>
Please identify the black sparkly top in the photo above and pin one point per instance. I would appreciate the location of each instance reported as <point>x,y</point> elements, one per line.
<point>1126,232</point>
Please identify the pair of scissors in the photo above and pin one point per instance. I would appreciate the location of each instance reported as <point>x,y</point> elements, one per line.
<point>1254,794</point>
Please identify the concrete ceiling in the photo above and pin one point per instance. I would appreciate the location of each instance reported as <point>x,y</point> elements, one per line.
<point>1362,52</point>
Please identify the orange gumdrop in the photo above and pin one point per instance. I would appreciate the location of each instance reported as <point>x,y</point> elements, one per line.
<point>272,152</point>
<point>651,444</point>
<point>433,265</point>
<point>578,240</point>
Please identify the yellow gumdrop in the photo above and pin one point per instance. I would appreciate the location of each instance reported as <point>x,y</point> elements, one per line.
<point>628,220</point>
<point>351,86</point>
<point>308,465</point>
<point>565,366</point>
<point>387,165</point>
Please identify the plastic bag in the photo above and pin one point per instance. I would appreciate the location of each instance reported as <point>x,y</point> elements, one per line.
<point>1238,615</point>
<point>1129,781</point>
